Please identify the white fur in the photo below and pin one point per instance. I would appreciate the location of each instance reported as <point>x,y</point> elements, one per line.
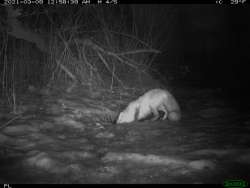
<point>153,101</point>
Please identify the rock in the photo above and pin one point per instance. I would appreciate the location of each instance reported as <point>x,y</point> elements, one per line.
<point>202,164</point>
<point>69,122</point>
<point>19,129</point>
<point>76,155</point>
<point>41,160</point>
<point>244,159</point>
<point>210,112</point>
<point>105,134</point>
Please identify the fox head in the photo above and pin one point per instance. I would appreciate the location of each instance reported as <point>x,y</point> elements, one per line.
<point>129,114</point>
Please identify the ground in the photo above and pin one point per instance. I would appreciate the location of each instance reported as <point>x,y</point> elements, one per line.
<point>57,137</point>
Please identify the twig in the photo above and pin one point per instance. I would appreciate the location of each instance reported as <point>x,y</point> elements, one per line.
<point>112,81</point>
<point>98,48</point>
<point>8,122</point>
<point>107,66</point>
<point>130,36</point>
<point>66,71</point>
<point>139,51</point>
<point>69,89</point>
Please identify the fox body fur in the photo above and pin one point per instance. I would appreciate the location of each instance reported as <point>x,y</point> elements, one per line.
<point>151,102</point>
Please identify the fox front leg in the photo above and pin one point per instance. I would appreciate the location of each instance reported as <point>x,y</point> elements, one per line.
<point>163,109</point>
<point>155,113</point>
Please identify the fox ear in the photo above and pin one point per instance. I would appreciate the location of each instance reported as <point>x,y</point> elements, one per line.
<point>118,117</point>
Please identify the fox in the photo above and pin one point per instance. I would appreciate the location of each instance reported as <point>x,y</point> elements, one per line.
<point>149,103</point>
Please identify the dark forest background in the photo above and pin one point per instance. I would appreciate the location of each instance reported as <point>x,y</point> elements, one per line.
<point>125,46</point>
